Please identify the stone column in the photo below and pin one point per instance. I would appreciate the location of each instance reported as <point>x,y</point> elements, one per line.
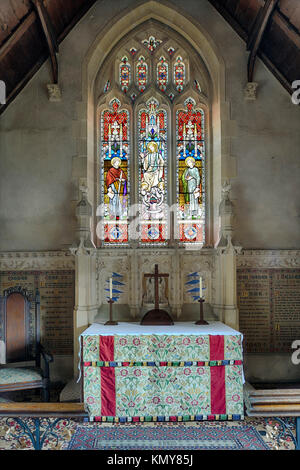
<point>176,299</point>
<point>134,287</point>
<point>227,250</point>
<point>84,251</point>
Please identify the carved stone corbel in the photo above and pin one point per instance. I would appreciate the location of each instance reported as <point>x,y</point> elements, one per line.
<point>250,91</point>
<point>54,92</point>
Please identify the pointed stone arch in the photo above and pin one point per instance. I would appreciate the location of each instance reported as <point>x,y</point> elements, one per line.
<point>222,165</point>
<point>202,42</point>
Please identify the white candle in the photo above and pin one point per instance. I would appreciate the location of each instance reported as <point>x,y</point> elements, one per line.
<point>200,287</point>
<point>110,288</point>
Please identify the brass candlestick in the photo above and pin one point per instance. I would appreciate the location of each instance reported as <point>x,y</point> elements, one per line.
<point>201,321</point>
<point>110,321</point>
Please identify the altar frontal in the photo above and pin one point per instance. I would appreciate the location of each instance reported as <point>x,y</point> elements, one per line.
<point>180,372</point>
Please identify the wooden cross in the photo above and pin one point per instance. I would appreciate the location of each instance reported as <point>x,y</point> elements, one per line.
<point>156,276</point>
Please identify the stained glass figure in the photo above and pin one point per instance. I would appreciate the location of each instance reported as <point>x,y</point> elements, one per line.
<point>141,74</point>
<point>179,74</point>
<point>162,70</point>
<point>153,172</point>
<point>125,74</point>
<point>115,153</point>
<point>190,173</point>
<point>151,43</point>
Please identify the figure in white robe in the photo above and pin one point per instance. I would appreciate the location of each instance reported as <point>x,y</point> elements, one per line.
<point>153,165</point>
<point>191,185</point>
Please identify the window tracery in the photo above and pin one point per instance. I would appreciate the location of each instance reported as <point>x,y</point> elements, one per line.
<point>153,156</point>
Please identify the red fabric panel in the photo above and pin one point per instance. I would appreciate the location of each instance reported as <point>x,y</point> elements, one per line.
<point>216,343</point>
<point>217,390</point>
<point>108,380</point>
<point>217,376</point>
<point>106,348</point>
<point>108,391</point>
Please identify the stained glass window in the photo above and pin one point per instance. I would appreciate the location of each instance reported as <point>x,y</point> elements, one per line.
<point>171,50</point>
<point>133,51</point>
<point>179,74</point>
<point>142,73</point>
<point>162,70</point>
<point>190,173</point>
<point>151,43</point>
<point>125,74</point>
<point>153,172</point>
<point>115,154</point>
<point>166,71</point>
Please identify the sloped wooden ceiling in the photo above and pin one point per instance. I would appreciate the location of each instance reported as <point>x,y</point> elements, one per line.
<point>24,45</point>
<point>279,46</point>
<point>31,30</point>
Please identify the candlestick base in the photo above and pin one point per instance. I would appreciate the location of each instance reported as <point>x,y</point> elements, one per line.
<point>201,321</point>
<point>110,321</point>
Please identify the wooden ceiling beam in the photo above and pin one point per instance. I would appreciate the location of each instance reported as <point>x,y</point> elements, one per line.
<point>278,18</point>
<point>19,32</point>
<point>49,35</point>
<point>256,35</point>
<point>228,17</point>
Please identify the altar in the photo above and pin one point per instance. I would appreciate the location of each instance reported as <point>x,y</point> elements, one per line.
<point>180,372</point>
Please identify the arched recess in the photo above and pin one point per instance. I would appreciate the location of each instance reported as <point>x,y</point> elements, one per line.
<point>218,146</point>
<point>208,52</point>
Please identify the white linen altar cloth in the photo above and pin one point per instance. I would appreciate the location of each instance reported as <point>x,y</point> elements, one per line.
<point>184,328</point>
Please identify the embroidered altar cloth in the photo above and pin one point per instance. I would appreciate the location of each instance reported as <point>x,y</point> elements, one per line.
<point>180,372</point>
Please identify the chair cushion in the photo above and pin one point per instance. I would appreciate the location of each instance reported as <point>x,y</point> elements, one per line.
<point>11,375</point>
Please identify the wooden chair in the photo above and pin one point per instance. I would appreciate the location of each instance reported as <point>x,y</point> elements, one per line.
<point>20,342</point>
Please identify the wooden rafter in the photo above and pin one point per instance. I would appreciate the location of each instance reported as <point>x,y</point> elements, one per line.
<point>257,33</point>
<point>288,31</point>
<point>15,37</point>
<point>49,35</point>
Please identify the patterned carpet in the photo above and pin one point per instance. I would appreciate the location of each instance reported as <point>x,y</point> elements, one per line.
<point>270,431</point>
<point>266,433</point>
<point>170,437</point>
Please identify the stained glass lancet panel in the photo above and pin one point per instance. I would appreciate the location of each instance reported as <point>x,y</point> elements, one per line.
<point>125,74</point>
<point>190,154</point>
<point>141,73</point>
<point>162,70</point>
<point>115,178</point>
<point>179,74</point>
<point>153,172</point>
